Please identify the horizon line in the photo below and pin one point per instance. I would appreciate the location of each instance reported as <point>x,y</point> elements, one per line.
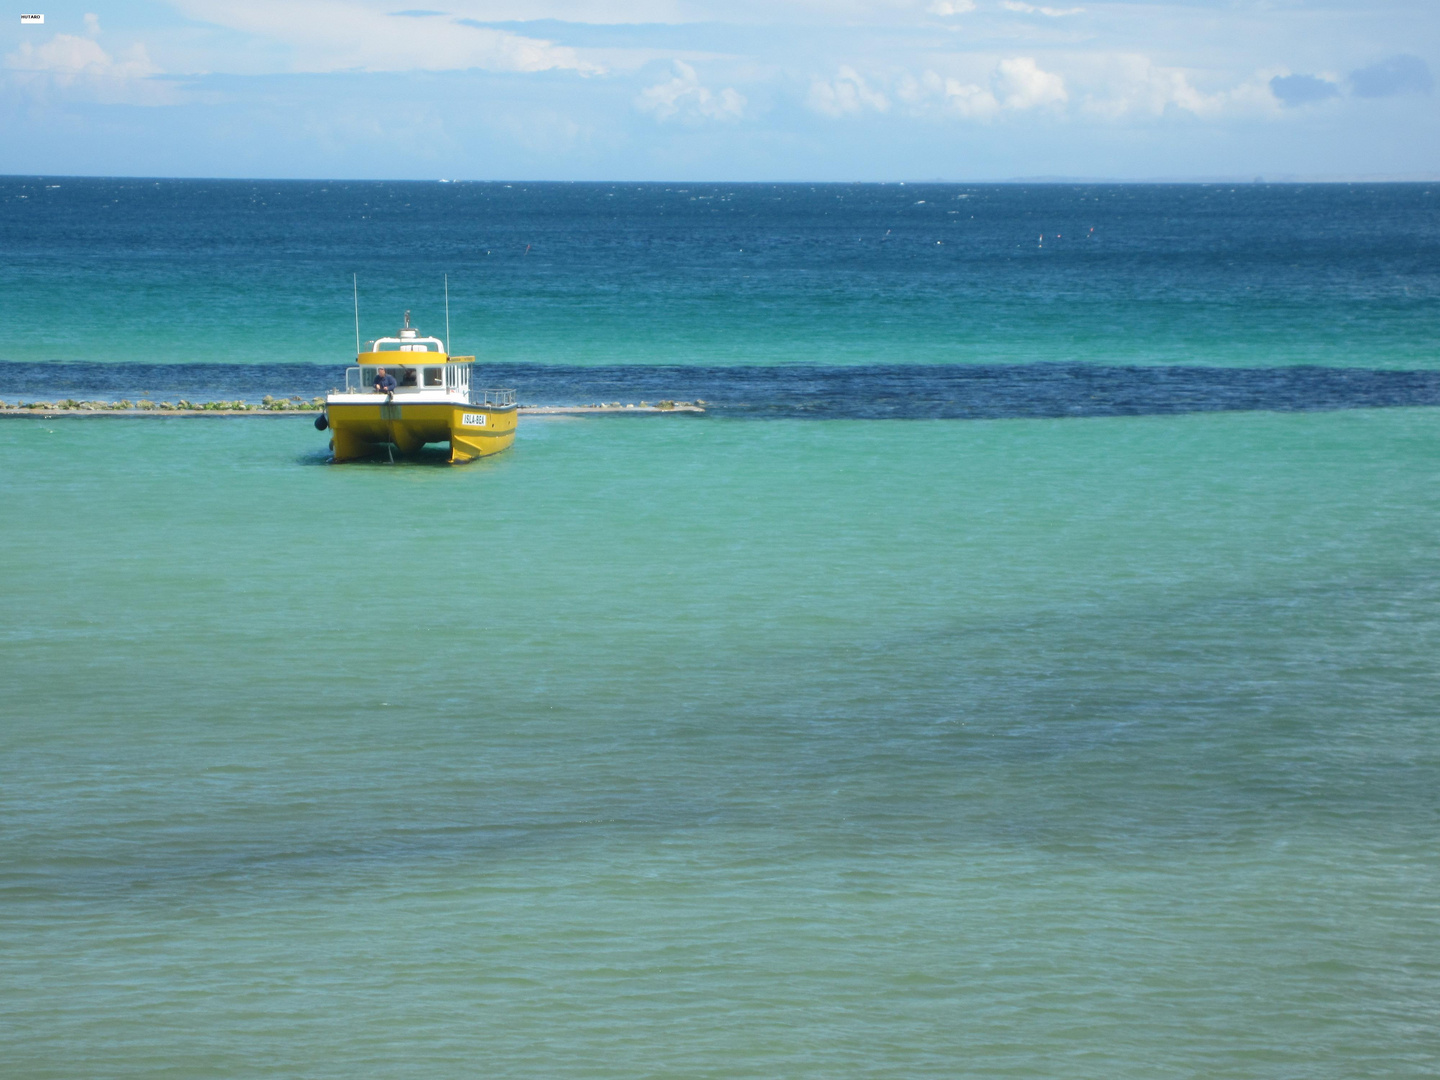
<point>1248,179</point>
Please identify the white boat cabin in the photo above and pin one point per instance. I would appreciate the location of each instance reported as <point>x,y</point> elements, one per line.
<point>445,378</point>
<point>420,366</point>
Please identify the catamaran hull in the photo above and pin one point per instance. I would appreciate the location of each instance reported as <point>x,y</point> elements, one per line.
<point>364,430</point>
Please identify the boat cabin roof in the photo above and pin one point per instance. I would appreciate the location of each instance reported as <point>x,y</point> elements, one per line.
<point>407,339</point>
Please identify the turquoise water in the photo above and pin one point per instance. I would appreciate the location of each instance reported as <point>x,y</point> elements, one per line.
<point>692,747</point>
<point>260,272</point>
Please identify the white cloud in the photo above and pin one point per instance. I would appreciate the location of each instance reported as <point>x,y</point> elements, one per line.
<point>1016,84</point>
<point>951,7</point>
<point>1119,86</point>
<point>343,35</point>
<point>1081,88</point>
<point>67,66</point>
<point>969,100</point>
<point>684,96</point>
<point>1019,83</point>
<point>1031,9</point>
<point>1134,85</point>
<point>846,94</point>
<point>68,57</point>
<point>950,95</point>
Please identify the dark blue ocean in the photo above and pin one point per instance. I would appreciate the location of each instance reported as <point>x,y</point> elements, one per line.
<point>1025,668</point>
<point>1250,276</point>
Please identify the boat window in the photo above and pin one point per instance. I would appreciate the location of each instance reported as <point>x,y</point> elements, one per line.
<point>367,378</point>
<point>434,376</point>
<point>408,377</point>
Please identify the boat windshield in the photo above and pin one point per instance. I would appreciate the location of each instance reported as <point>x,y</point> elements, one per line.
<point>432,376</point>
<point>403,376</point>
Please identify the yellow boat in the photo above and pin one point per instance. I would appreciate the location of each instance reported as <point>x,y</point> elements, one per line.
<point>432,403</point>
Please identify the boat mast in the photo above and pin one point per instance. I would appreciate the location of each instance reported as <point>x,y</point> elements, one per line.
<point>355,284</point>
<point>447,314</point>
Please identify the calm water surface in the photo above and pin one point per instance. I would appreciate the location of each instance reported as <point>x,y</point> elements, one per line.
<point>182,271</point>
<point>724,748</point>
<point>1081,723</point>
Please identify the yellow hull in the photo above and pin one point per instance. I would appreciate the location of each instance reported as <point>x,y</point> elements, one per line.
<point>363,430</point>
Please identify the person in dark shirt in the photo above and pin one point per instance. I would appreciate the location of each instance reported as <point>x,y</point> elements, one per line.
<point>384,384</point>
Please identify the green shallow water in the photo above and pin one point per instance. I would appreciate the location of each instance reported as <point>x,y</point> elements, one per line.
<point>703,748</point>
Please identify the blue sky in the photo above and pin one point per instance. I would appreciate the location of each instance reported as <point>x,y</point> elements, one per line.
<point>745,90</point>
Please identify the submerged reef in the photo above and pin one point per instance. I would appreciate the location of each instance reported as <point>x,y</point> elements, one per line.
<point>266,404</point>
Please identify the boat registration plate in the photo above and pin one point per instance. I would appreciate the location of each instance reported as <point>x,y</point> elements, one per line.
<point>472,419</point>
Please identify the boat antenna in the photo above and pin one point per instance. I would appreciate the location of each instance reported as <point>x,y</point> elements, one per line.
<point>447,314</point>
<point>355,284</point>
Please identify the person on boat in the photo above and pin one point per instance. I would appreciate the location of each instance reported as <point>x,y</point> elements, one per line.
<point>384,384</point>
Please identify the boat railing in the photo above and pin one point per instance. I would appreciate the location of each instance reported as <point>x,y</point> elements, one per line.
<point>457,378</point>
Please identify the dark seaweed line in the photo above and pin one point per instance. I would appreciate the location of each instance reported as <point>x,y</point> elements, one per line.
<point>991,391</point>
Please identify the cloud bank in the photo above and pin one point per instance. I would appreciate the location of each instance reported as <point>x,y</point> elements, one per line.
<point>842,86</point>
<point>684,97</point>
<point>322,36</point>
